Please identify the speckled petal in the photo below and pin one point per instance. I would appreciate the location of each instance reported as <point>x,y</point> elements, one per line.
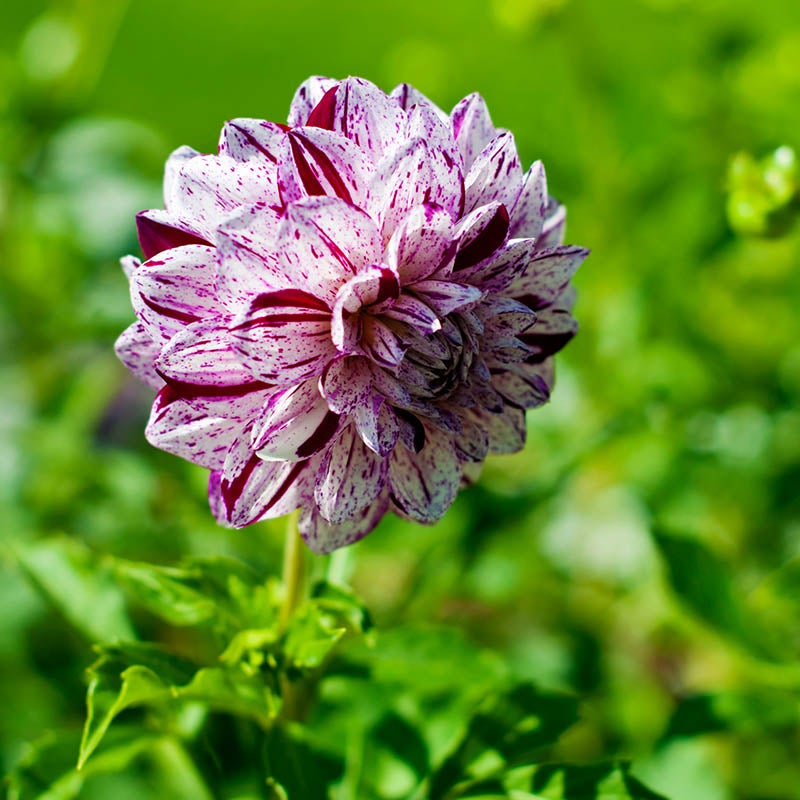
<point>445,297</point>
<point>547,274</point>
<point>284,337</point>
<point>247,139</point>
<point>351,476</point>
<point>496,174</point>
<point>472,127</point>
<point>309,93</point>
<point>203,355</point>
<point>295,424</point>
<point>424,484</point>
<point>313,161</point>
<point>324,537</point>
<point>323,241</point>
<point>175,289</point>
<point>528,212</point>
<point>138,351</point>
<point>422,243</point>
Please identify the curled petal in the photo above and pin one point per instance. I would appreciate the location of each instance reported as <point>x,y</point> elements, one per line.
<point>160,230</point>
<point>351,476</point>
<point>295,424</point>
<point>412,175</point>
<point>480,234</point>
<point>248,489</point>
<point>413,312</point>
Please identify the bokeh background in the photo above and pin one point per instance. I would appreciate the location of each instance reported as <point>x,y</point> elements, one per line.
<point>643,550</point>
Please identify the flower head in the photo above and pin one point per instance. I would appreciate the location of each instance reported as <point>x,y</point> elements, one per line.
<point>347,313</point>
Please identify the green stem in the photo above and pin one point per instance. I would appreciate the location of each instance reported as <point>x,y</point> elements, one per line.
<point>293,571</point>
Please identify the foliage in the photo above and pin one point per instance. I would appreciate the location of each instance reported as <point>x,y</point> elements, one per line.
<point>636,565</point>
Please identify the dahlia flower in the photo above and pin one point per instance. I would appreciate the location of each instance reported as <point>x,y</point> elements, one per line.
<point>347,313</point>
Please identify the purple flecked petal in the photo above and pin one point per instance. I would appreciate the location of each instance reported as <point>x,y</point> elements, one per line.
<point>295,424</point>
<point>413,312</point>
<point>412,175</point>
<point>175,162</point>
<point>504,316</point>
<point>200,429</point>
<point>202,354</point>
<point>495,176</point>
<point>546,275</point>
<point>351,476</point>
<point>528,212</point>
<point>313,161</point>
<point>444,297</point>
<point>472,127</point>
<point>207,189</point>
<point>367,116</point>
<point>251,140</point>
<point>175,289</point>
<point>425,123</point>
<point>377,425</point>
<point>137,351</point>
<point>159,231</point>
<point>554,329</point>
<point>506,430</point>
<point>522,385</point>
<point>347,382</point>
<point>422,243</point>
<point>504,268</point>
<point>381,343</point>
<point>424,484</point>
<point>323,241</point>
<point>248,489</point>
<point>307,96</point>
<point>480,234</point>
<point>129,265</point>
<point>408,97</point>
<point>284,337</point>
<point>554,224</point>
<point>323,537</point>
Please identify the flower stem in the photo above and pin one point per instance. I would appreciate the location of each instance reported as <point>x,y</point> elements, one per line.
<point>293,570</point>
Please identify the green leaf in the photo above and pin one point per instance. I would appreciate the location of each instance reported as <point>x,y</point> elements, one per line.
<point>141,675</point>
<point>509,730</point>
<point>404,742</point>
<point>47,770</point>
<point>300,769</point>
<point>81,585</point>
<point>594,782</point>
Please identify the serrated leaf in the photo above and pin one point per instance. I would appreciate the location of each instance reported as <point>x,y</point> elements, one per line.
<point>141,675</point>
<point>81,585</point>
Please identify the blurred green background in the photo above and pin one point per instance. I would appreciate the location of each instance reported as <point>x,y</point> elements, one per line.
<point>644,550</point>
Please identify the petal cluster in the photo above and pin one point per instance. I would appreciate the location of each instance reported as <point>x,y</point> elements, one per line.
<point>348,313</point>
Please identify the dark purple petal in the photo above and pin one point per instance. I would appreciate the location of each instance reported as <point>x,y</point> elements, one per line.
<point>308,95</point>
<point>158,231</point>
